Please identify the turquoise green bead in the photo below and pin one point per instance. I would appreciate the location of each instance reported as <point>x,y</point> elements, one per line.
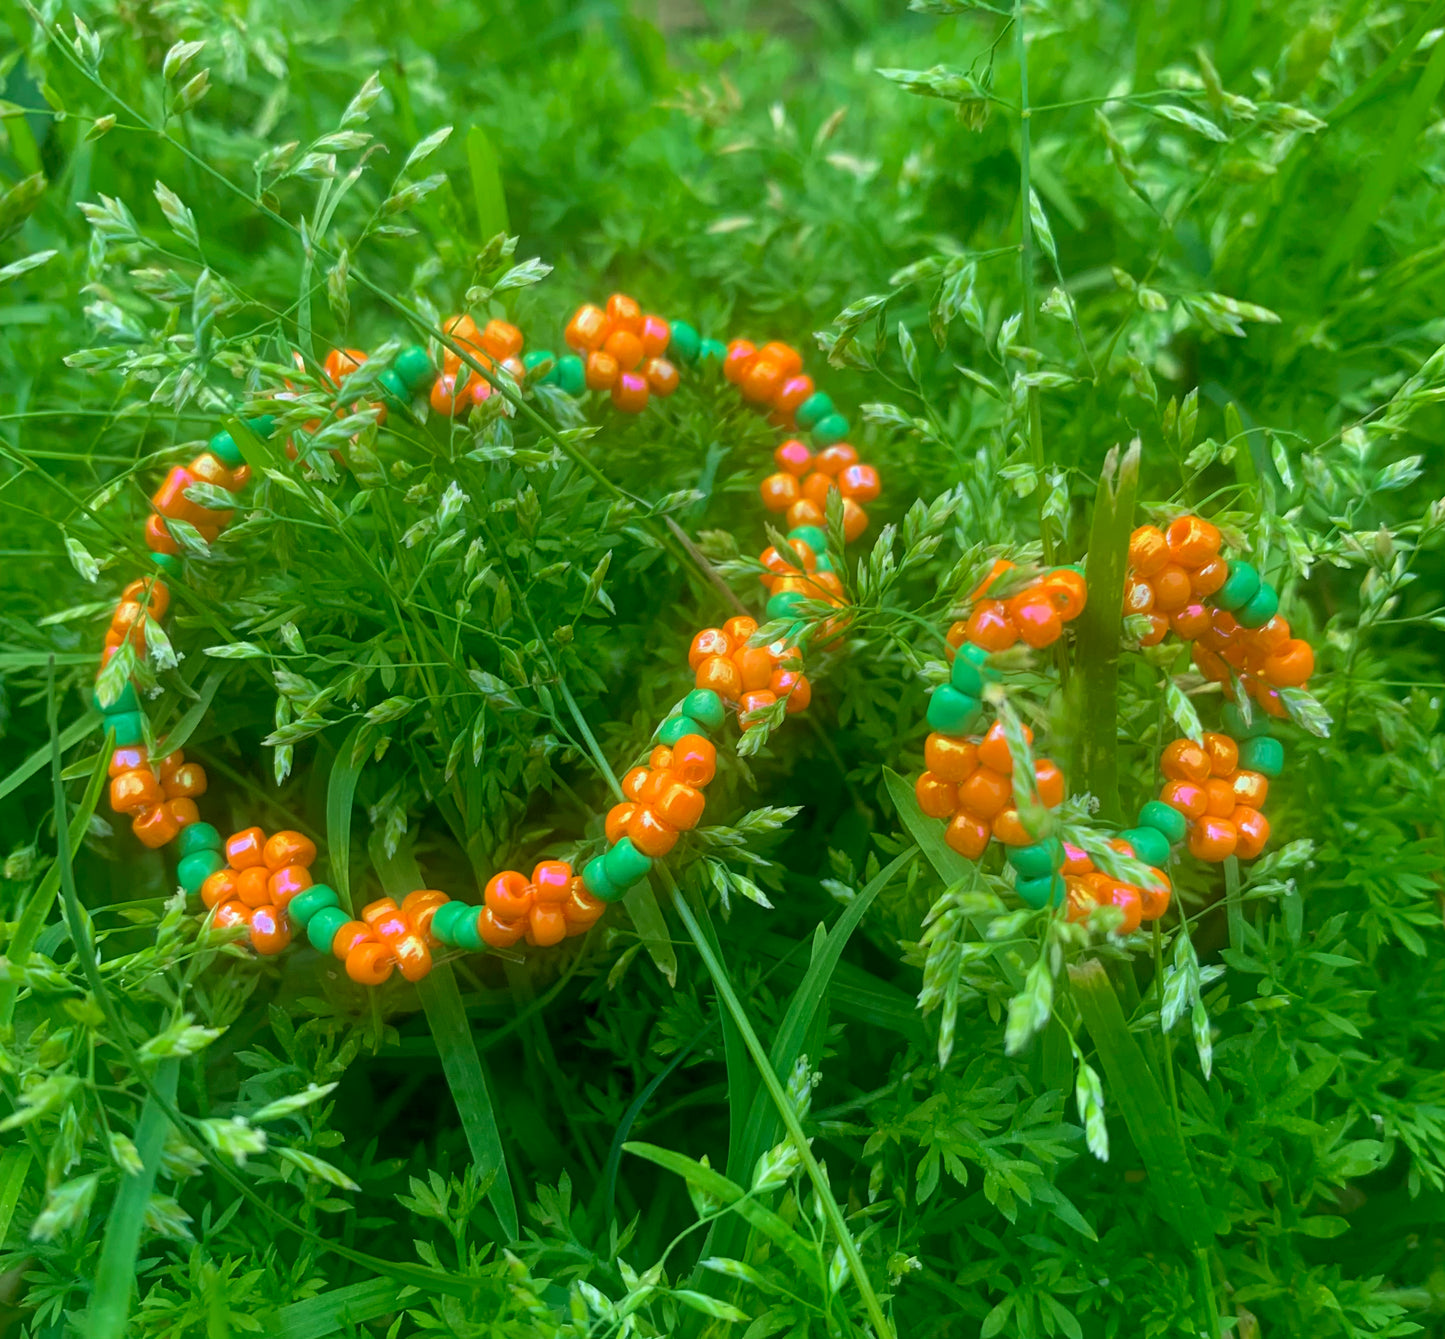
<point>129,727</point>
<point>813,410</point>
<point>706,708</point>
<point>624,864</point>
<point>1239,587</point>
<point>711,352</point>
<point>197,867</point>
<point>686,343</point>
<point>537,358</point>
<point>788,604</point>
<point>570,374</point>
<point>674,727</point>
<point>965,677</point>
<point>596,881</point>
<point>1160,816</point>
<point>391,382</point>
<point>127,701</point>
<point>1037,861</point>
<point>1263,607</point>
<point>1262,754</point>
<point>414,366</point>
<point>306,904</point>
<point>223,447</point>
<point>263,425</point>
<point>443,921</point>
<point>323,927</point>
<point>168,563</point>
<point>198,837</point>
<point>814,536</point>
<point>830,430</point>
<point>1042,892</point>
<point>975,653</point>
<point>467,930</point>
<point>1234,723</point>
<point>1150,845</point>
<point>823,563</point>
<point>951,712</point>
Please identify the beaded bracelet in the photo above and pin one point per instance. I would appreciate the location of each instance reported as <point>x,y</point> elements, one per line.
<point>263,882</point>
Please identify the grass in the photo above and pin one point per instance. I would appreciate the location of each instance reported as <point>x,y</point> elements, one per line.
<point>830,1079</point>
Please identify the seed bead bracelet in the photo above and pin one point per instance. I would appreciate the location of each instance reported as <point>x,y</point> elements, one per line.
<point>1214,789</point>
<point>263,882</point>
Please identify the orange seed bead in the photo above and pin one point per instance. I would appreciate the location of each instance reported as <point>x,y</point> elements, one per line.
<point>968,835</point>
<point>649,833</point>
<point>779,491</point>
<point>936,797</point>
<point>288,848</point>
<point>155,826</point>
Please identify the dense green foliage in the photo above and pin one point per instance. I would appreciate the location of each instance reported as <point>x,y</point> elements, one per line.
<point>433,657</point>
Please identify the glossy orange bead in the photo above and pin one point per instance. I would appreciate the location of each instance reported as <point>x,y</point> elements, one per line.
<point>1223,753</point>
<point>968,834</point>
<point>617,820</point>
<point>1210,665</point>
<point>131,791</point>
<point>694,760</point>
<point>984,793</point>
<point>420,907</point>
<point>656,334</point>
<point>581,908</point>
<point>1076,860</point>
<point>412,955</point>
<point>341,363</point>
<point>1219,796</point>
<point>1252,828</point>
<point>186,782</point>
<point>1138,596</point>
<point>659,758</point>
<point>1126,897</point>
<point>779,491</point>
<point>219,887</point>
<point>1270,700</point>
<point>655,786</point>
<point>207,469</point>
<point>1212,839</point>
<point>370,963</point>
<point>855,519</point>
<point>661,376</point>
<point>546,925</point>
<point>155,596</point>
<point>860,482</point>
<point>155,826</point>
<point>755,666</point>
<point>1034,615</point>
<point>1272,636</point>
<point>756,699</point>
<point>630,393</point>
<point>1191,622</point>
<point>462,331</point>
<point>229,914</point>
<point>1079,900</point>
<point>509,895</point>
<point>761,380</point>
<point>251,885</point>
<point>1208,578</point>
<point>793,457</point>
<point>1189,797</point>
<point>1067,591</point>
<point>990,627</point>
<point>787,358</point>
<point>1148,550</point>
<point>792,685</point>
<point>587,329</point>
<point>170,499</point>
<point>497,933</point>
<point>1184,760</point>
<point>1171,588</point>
<point>993,749</point>
<point>833,460</point>
<point>626,348</point>
<point>286,882</point>
<point>936,797</point>
<point>443,396</point>
<point>601,371</point>
<point>816,487</point>
<point>183,812</point>
<point>722,676</point>
<point>805,512</point>
<point>792,393</point>
<point>270,932</point>
<point>158,538</point>
<point>950,757</point>
<point>348,935</point>
<point>1250,789</point>
<point>501,339</point>
<point>288,848</point>
<point>625,312</point>
<point>552,880</point>
<point>680,805</point>
<point>127,758</point>
<point>738,359</point>
<point>1155,894</point>
<point>634,781</point>
<point>739,628</point>
<point>1192,540</point>
<point>649,833</point>
<point>827,586</point>
<point>1291,665</point>
<point>1009,829</point>
<point>1050,782</point>
<point>708,642</point>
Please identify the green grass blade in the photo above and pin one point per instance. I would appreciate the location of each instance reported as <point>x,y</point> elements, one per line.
<point>927,832</point>
<point>487,190</point>
<point>69,737</point>
<point>1134,1091</point>
<point>14,1167</point>
<point>458,1051</point>
<point>335,1311</point>
<point>1095,684</point>
<point>642,905</point>
<point>340,793</point>
<point>180,733</point>
<point>115,1274</point>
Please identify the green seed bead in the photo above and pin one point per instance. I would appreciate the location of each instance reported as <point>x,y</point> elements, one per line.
<point>305,905</point>
<point>537,358</point>
<point>1150,845</point>
<point>570,375</point>
<point>223,447</point>
<point>814,536</point>
<point>168,563</point>
<point>197,867</point>
<point>951,712</point>
<point>625,865</point>
<point>710,354</point>
<point>813,410</point>
<point>414,366</point>
<point>674,727</point>
<point>686,343</point>
<point>824,563</point>
<point>1235,726</point>
<point>786,605</point>
<point>830,431</point>
<point>127,701</point>
<point>1263,607</point>
<point>263,425</point>
<point>129,727</point>
<point>391,382</point>
<point>595,880</point>
<point>1262,754</point>
<point>323,927</point>
<point>443,921</point>
<point>198,837</point>
<point>1037,861</point>
<point>706,708</point>
<point>1158,815</point>
<point>1043,892</point>
<point>1239,587</point>
<point>467,930</point>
